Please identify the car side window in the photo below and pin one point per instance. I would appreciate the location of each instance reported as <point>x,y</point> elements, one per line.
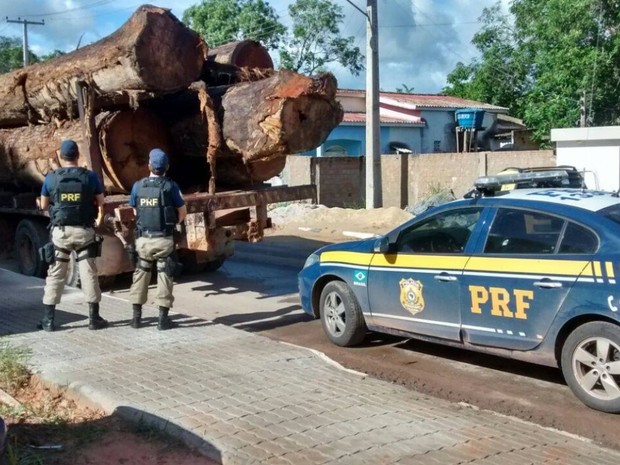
<point>446,232</point>
<point>517,231</point>
<point>578,239</point>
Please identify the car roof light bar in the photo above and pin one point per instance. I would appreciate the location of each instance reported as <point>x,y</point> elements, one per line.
<point>497,181</point>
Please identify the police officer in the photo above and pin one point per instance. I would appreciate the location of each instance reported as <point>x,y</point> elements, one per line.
<point>159,207</point>
<point>74,196</point>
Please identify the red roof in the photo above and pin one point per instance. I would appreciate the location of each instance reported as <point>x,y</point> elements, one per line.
<point>425,100</point>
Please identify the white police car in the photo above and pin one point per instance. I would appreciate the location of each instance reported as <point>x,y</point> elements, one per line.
<point>529,275</point>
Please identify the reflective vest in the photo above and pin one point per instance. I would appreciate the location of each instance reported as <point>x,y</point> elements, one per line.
<point>156,213</point>
<point>72,198</point>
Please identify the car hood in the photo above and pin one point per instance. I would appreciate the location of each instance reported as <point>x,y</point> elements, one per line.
<point>365,245</point>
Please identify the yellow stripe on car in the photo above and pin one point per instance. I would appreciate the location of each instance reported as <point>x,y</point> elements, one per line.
<point>530,265</point>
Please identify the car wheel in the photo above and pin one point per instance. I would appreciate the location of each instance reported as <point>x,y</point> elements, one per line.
<point>341,315</point>
<point>29,237</point>
<point>591,365</point>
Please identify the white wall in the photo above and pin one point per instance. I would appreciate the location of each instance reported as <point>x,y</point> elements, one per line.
<point>599,159</point>
<point>595,150</point>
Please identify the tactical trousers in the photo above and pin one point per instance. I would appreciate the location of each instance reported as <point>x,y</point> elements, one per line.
<point>67,239</point>
<point>152,252</point>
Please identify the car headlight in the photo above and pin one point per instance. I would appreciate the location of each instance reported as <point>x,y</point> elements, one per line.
<point>311,260</point>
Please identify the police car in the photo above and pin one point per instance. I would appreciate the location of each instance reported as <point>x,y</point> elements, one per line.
<point>529,274</point>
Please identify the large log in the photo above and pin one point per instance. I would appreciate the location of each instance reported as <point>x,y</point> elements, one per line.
<point>153,52</point>
<point>280,115</point>
<point>242,133</point>
<point>28,153</point>
<point>261,122</point>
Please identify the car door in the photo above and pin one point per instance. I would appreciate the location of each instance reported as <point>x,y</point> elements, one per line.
<point>415,287</point>
<point>514,288</point>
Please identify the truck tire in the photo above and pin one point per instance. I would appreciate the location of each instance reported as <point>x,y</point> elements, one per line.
<point>30,235</point>
<point>192,265</point>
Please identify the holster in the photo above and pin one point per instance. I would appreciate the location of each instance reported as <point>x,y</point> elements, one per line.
<point>173,267</point>
<point>47,253</point>
<point>95,249</point>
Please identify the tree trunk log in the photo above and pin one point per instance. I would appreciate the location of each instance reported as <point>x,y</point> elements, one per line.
<point>152,52</point>
<point>242,133</point>
<point>28,153</point>
<point>280,115</point>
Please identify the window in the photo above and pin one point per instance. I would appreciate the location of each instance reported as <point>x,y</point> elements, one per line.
<point>523,232</point>
<point>335,151</point>
<point>578,239</point>
<point>437,146</point>
<point>446,232</point>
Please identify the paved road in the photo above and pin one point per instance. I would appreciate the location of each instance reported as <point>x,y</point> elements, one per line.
<point>243,399</point>
<point>256,291</point>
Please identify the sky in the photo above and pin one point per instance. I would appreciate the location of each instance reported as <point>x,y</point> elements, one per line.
<point>420,41</point>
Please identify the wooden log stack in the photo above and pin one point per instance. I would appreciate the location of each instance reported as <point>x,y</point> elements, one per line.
<point>225,116</point>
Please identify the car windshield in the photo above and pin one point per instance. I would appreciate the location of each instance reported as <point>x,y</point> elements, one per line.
<point>612,213</point>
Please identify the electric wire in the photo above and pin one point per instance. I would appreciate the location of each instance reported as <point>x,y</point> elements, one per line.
<point>83,7</point>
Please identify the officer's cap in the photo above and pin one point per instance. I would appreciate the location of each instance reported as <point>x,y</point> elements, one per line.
<point>69,150</point>
<point>158,160</point>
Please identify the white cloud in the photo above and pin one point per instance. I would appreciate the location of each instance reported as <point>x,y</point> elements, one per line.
<point>420,40</point>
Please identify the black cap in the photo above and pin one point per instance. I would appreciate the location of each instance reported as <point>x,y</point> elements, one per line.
<point>69,150</point>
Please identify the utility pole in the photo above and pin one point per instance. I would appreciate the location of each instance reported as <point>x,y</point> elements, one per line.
<point>25,22</point>
<point>373,148</point>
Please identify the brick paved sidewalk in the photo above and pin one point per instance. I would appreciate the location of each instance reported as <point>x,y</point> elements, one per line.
<point>243,399</point>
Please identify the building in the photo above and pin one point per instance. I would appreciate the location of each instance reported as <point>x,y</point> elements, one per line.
<point>410,123</point>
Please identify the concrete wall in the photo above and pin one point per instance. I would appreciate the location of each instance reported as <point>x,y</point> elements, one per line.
<point>406,179</point>
<point>595,150</point>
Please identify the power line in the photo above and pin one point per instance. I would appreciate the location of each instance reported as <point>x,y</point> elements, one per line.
<point>68,10</point>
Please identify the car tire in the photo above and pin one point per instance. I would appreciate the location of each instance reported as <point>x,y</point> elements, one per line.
<point>591,365</point>
<point>341,315</point>
<point>29,237</point>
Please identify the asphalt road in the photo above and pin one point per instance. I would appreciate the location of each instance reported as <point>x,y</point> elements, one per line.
<point>257,291</point>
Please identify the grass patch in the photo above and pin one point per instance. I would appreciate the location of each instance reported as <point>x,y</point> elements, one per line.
<point>14,371</point>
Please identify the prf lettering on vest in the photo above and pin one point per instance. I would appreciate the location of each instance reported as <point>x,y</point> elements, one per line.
<point>149,202</point>
<point>66,197</point>
<point>501,301</point>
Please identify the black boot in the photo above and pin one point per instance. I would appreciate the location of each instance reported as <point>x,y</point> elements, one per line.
<point>47,322</point>
<point>95,321</point>
<point>136,321</point>
<point>164,320</point>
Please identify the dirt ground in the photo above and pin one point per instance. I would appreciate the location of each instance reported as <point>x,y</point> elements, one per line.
<point>51,428</point>
<point>334,224</point>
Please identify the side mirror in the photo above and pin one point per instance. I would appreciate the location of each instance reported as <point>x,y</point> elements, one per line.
<point>382,245</point>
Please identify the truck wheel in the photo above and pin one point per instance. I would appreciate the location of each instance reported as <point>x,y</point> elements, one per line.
<point>341,315</point>
<point>591,365</point>
<point>29,237</point>
<point>192,265</point>
<point>213,265</point>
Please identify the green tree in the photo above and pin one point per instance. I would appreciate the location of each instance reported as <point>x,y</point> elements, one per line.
<point>540,58</point>
<point>56,53</point>
<point>11,54</point>
<point>316,41</point>
<point>223,21</point>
